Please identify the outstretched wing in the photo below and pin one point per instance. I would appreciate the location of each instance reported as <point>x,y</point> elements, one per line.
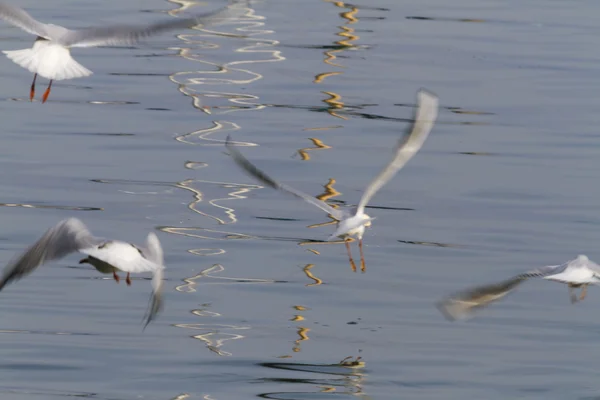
<point>267,180</point>
<point>130,34</point>
<point>66,237</point>
<point>156,302</point>
<point>408,146</point>
<point>20,18</point>
<point>154,253</point>
<point>463,304</point>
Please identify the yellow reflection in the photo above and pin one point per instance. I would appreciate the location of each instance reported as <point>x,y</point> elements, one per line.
<point>335,103</point>
<point>319,145</point>
<point>319,78</point>
<point>308,273</point>
<point>303,336</point>
<point>329,193</point>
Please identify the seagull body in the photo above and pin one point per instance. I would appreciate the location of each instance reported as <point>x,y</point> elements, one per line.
<point>50,56</point>
<point>353,224</point>
<point>577,273</point>
<point>107,256</point>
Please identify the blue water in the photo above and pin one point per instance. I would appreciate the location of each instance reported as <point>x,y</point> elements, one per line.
<point>319,91</point>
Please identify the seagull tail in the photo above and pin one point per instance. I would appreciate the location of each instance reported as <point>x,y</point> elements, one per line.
<point>67,68</point>
<point>26,58</point>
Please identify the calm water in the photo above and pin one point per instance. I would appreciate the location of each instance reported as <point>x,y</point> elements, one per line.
<point>319,91</point>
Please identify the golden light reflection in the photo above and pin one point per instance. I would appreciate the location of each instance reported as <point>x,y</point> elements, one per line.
<point>335,103</point>
<point>309,274</point>
<point>319,145</point>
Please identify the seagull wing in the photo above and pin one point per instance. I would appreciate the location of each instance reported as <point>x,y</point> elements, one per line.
<point>154,253</point>
<point>408,146</point>
<point>66,237</point>
<point>463,304</point>
<point>130,34</point>
<point>20,18</point>
<point>267,180</point>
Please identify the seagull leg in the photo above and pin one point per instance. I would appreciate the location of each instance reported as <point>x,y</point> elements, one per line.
<point>352,265</point>
<point>583,292</point>
<point>116,277</point>
<point>128,280</point>
<point>363,268</point>
<point>32,91</point>
<point>572,295</point>
<point>47,92</point>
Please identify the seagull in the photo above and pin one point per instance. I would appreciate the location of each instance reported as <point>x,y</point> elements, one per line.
<point>577,273</point>
<point>50,56</point>
<point>107,256</point>
<point>353,223</point>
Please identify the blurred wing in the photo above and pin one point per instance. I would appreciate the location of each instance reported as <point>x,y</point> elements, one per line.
<point>156,302</point>
<point>153,250</point>
<point>20,18</point>
<point>463,304</point>
<point>66,237</point>
<point>123,256</point>
<point>267,180</point>
<point>130,34</point>
<point>408,146</point>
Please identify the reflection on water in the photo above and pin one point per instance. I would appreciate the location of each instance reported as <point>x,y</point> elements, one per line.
<point>55,207</point>
<point>319,145</point>
<point>344,377</point>
<point>310,275</point>
<point>214,335</point>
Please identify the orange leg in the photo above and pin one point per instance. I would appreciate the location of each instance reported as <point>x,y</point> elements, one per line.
<point>47,92</point>
<point>352,265</point>
<point>116,277</point>
<point>572,295</point>
<point>128,280</point>
<point>363,268</point>
<point>583,292</point>
<point>32,91</point>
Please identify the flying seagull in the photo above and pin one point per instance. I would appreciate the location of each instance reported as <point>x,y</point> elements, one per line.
<point>353,223</point>
<point>107,256</point>
<point>50,56</point>
<point>577,273</point>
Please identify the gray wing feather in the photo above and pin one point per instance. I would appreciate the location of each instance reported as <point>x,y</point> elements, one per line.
<point>130,34</point>
<point>20,18</point>
<point>66,237</point>
<point>408,146</point>
<point>154,253</point>
<point>463,304</point>
<point>267,180</point>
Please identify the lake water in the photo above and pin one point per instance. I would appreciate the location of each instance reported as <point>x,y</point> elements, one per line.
<point>319,91</point>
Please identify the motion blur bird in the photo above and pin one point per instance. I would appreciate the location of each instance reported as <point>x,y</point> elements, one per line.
<point>577,273</point>
<point>353,223</point>
<point>50,56</point>
<point>107,256</point>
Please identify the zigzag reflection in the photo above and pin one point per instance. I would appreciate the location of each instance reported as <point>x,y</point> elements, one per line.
<point>230,72</point>
<point>214,336</point>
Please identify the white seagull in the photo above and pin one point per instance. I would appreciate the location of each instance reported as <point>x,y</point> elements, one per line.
<point>107,256</point>
<point>579,272</point>
<point>50,56</point>
<point>353,223</point>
